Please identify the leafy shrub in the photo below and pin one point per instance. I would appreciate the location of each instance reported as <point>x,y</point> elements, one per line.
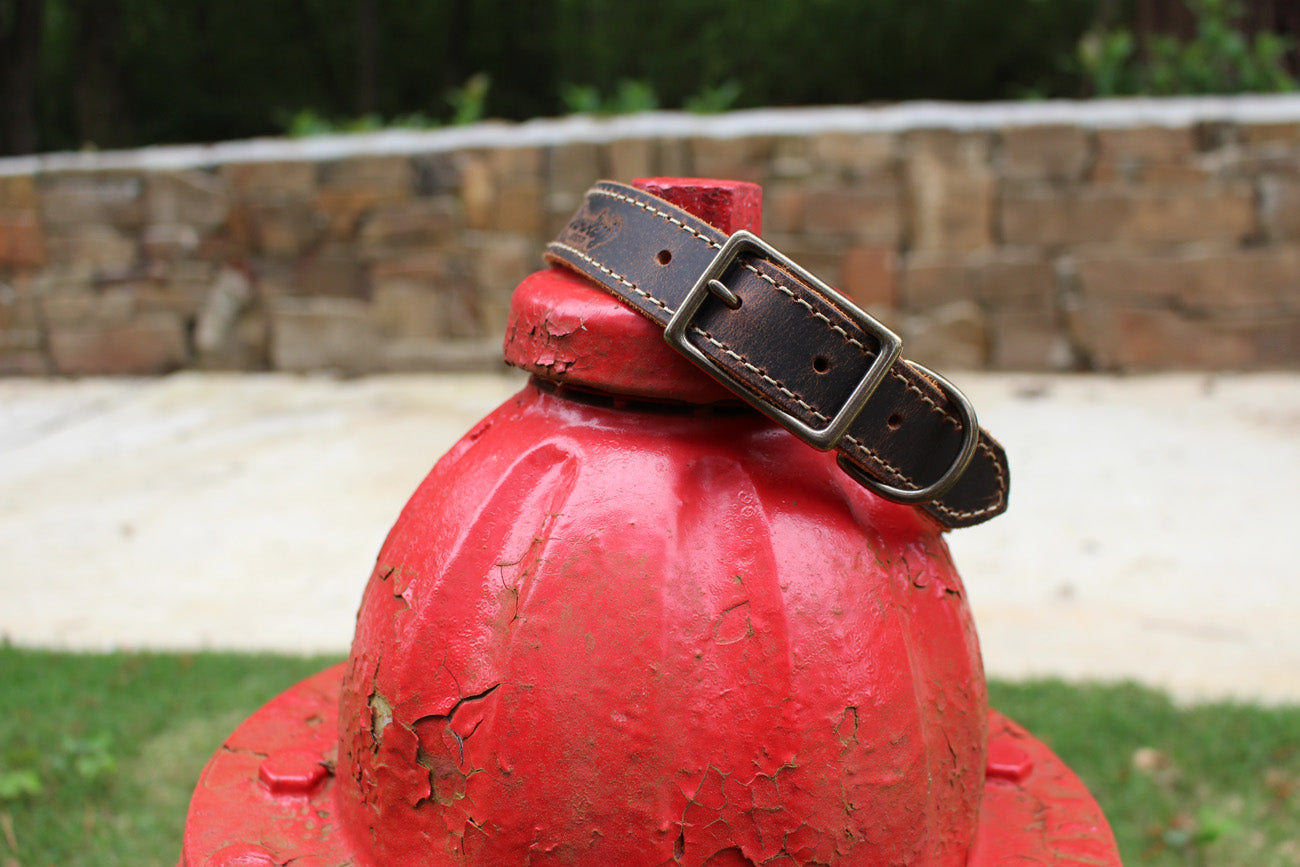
<point>629,97</point>
<point>119,73</point>
<point>469,101</point>
<point>1218,59</point>
<point>715,99</point>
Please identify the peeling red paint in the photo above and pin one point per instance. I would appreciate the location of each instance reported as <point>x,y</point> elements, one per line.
<point>1047,817</point>
<point>661,633</point>
<point>577,665</point>
<point>614,349</point>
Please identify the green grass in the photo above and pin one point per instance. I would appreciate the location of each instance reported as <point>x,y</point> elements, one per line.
<point>98,754</point>
<point>1214,784</point>
<point>115,743</point>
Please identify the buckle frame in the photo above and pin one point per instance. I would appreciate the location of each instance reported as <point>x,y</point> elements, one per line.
<point>889,344</point>
<point>970,440</point>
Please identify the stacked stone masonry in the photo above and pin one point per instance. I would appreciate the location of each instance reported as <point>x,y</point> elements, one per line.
<point>1028,246</point>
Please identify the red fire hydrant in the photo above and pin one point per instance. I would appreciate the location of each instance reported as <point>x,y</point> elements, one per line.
<point>628,620</point>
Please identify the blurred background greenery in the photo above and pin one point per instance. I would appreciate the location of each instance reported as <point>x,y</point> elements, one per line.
<point>124,73</point>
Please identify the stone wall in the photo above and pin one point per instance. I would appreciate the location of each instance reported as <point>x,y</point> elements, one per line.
<point>1124,235</point>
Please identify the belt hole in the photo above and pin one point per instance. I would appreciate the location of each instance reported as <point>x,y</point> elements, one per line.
<point>663,257</point>
<point>894,422</point>
<point>820,364</point>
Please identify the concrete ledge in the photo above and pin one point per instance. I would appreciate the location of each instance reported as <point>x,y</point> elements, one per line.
<point>1150,536</point>
<point>549,132</point>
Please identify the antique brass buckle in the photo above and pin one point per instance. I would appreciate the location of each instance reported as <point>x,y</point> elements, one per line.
<point>889,348</point>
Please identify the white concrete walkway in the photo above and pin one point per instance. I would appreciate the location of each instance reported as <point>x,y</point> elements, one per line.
<point>1152,532</point>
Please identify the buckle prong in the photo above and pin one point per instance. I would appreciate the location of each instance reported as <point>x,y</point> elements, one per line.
<point>724,294</point>
<point>889,346</point>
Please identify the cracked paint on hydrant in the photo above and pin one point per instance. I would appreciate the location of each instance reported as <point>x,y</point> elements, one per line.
<point>615,635</point>
<point>627,620</point>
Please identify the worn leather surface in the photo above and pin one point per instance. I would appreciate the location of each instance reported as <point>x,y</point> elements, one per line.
<point>787,344</point>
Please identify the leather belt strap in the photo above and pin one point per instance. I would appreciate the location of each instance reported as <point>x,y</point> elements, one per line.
<point>794,348</point>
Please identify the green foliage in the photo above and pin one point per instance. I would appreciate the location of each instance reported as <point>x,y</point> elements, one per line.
<point>469,101</point>
<point>90,758</point>
<point>1218,59</point>
<point>1213,784</point>
<point>130,72</point>
<point>581,99</point>
<point>629,97</point>
<point>99,752</point>
<point>468,104</point>
<point>20,783</point>
<point>24,770</point>
<point>714,100</point>
<point>305,123</point>
<point>1109,60</point>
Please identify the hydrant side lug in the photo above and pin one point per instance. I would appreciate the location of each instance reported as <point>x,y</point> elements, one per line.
<point>292,772</point>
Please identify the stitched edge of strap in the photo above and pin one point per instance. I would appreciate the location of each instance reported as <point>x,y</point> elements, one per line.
<point>654,205</point>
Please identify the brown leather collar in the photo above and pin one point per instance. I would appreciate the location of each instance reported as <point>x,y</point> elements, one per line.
<point>793,347</point>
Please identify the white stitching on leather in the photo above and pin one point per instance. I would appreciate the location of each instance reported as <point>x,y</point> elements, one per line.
<point>785,290</point>
<point>797,399</point>
<point>934,407</point>
<point>646,206</point>
<point>760,372</point>
<point>996,505</point>
<point>875,455</point>
<point>802,302</point>
<point>617,276</point>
